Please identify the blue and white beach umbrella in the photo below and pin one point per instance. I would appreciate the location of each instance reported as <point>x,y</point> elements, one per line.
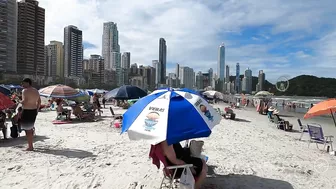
<point>171,115</point>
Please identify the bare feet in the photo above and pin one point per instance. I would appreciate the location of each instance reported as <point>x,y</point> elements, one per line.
<point>30,149</point>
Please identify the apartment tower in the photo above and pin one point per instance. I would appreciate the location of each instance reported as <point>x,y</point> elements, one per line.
<point>162,60</point>
<point>8,36</point>
<point>30,38</point>
<point>73,52</point>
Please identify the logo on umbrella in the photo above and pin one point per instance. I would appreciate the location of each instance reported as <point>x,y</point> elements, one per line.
<point>206,112</point>
<point>151,120</point>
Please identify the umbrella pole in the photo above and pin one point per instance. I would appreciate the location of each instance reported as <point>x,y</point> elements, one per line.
<point>332,115</point>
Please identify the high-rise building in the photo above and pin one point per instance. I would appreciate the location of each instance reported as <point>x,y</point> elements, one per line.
<point>54,56</point>
<point>125,66</point>
<point>163,59</point>
<point>211,79</point>
<point>199,80</point>
<point>221,63</point>
<point>116,66</point>
<point>177,71</point>
<point>30,38</point>
<point>237,82</point>
<point>187,77</point>
<point>156,64</point>
<point>248,76</point>
<point>261,81</point>
<point>73,51</point>
<point>227,73</point>
<point>8,36</point>
<point>126,60</point>
<point>110,43</point>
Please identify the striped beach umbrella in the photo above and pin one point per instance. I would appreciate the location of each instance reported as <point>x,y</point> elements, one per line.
<point>59,91</point>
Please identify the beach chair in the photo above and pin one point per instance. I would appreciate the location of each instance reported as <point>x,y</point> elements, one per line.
<point>169,172</point>
<point>303,128</point>
<point>115,116</point>
<point>280,124</point>
<point>218,110</point>
<point>316,136</point>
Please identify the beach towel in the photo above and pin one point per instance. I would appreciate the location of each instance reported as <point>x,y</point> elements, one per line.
<point>61,122</point>
<point>155,155</point>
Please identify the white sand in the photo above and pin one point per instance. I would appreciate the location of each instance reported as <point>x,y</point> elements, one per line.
<point>94,155</point>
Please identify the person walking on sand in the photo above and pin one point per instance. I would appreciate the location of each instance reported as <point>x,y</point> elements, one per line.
<point>31,102</point>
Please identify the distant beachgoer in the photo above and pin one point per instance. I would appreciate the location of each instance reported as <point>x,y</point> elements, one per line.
<point>311,105</point>
<point>31,103</point>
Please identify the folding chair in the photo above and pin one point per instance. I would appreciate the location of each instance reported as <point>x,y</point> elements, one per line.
<point>115,117</point>
<point>316,136</point>
<point>169,172</point>
<point>279,123</point>
<point>303,128</point>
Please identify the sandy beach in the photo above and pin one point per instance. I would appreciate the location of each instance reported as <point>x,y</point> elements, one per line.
<point>246,153</point>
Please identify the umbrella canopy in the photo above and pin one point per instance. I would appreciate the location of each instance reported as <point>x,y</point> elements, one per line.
<point>213,94</point>
<point>126,92</point>
<point>14,86</point>
<point>84,97</point>
<point>5,102</point>
<point>5,90</point>
<point>169,115</point>
<point>322,108</point>
<point>59,91</point>
<point>263,93</point>
<point>96,91</point>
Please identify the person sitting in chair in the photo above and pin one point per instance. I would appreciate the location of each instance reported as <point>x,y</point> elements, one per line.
<point>287,126</point>
<point>176,155</point>
<point>61,111</point>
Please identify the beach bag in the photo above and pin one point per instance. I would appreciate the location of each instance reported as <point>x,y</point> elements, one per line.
<point>196,148</point>
<point>14,131</point>
<point>187,180</point>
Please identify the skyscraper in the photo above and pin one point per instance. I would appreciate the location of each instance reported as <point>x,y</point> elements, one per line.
<point>237,83</point>
<point>30,38</point>
<point>54,59</point>
<point>221,63</point>
<point>211,80</point>
<point>177,71</point>
<point>126,60</point>
<point>110,43</point>
<point>8,36</point>
<point>261,81</point>
<point>187,77</point>
<point>157,66</point>
<point>227,74</point>
<point>73,51</point>
<point>247,81</point>
<point>163,59</point>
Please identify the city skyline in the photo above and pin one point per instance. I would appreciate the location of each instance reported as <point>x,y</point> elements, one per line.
<point>273,39</point>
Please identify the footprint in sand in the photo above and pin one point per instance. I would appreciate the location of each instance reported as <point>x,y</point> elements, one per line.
<point>133,185</point>
<point>15,168</point>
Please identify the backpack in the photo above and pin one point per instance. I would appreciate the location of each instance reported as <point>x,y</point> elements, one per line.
<point>14,131</point>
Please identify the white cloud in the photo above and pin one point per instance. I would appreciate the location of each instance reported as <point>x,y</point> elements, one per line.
<point>194,29</point>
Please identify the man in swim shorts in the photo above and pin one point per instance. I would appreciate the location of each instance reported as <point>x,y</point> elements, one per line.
<point>31,102</point>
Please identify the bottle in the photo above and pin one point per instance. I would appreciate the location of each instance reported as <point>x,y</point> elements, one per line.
<point>328,149</point>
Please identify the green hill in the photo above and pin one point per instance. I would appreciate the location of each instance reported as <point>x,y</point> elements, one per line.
<point>308,85</point>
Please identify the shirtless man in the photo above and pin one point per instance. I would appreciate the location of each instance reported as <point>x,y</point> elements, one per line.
<point>31,102</point>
